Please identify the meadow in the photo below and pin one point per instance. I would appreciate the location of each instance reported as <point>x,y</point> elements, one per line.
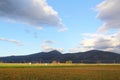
<point>59,71</point>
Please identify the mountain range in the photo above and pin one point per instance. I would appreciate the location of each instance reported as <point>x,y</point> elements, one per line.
<point>93,56</point>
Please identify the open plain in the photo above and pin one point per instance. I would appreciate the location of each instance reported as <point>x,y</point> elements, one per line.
<point>59,71</point>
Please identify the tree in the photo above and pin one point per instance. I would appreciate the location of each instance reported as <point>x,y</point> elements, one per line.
<point>69,62</point>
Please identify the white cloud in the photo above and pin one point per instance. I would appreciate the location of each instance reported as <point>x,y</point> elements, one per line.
<point>49,42</point>
<point>74,50</point>
<point>106,42</point>
<point>60,49</point>
<point>109,13</point>
<point>62,29</point>
<point>33,12</point>
<point>11,40</point>
<point>80,49</point>
<point>47,48</point>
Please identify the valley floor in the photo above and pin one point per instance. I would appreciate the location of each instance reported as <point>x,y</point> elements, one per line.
<point>59,71</point>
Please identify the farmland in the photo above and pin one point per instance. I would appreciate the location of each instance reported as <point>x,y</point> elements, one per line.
<point>59,71</point>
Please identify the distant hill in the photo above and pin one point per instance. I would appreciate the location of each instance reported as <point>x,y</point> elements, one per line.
<point>93,56</point>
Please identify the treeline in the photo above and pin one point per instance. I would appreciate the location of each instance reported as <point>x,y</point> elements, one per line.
<point>93,56</point>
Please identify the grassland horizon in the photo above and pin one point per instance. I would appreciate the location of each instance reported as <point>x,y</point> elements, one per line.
<point>27,71</point>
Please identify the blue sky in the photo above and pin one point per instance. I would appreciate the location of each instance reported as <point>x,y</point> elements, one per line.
<point>64,25</point>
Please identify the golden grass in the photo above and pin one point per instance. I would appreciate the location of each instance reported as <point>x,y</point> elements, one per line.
<point>86,72</point>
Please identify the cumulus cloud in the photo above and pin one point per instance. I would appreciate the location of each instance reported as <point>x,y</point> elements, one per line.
<point>33,12</point>
<point>109,13</point>
<point>106,42</point>
<point>46,46</point>
<point>11,40</point>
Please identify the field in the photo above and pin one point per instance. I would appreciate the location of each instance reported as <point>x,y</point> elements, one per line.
<point>59,71</point>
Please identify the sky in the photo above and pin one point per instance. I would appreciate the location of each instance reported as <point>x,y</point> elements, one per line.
<point>31,26</point>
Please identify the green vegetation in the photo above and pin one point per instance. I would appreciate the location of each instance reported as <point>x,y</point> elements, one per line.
<point>46,65</point>
<point>59,71</point>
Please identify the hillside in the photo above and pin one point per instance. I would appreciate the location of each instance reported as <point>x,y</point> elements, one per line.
<point>93,56</point>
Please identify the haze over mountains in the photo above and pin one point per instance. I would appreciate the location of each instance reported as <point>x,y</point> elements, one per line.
<point>93,56</point>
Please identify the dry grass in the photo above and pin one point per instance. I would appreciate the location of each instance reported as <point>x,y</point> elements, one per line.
<point>88,72</point>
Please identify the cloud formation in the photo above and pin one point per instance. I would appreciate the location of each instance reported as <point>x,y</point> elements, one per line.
<point>11,40</point>
<point>49,42</point>
<point>105,42</point>
<point>46,46</point>
<point>109,13</point>
<point>62,29</point>
<point>33,12</point>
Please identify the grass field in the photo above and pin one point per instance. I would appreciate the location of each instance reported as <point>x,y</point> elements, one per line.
<point>59,71</point>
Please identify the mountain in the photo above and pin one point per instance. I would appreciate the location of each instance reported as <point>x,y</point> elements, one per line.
<point>93,56</point>
<point>37,57</point>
